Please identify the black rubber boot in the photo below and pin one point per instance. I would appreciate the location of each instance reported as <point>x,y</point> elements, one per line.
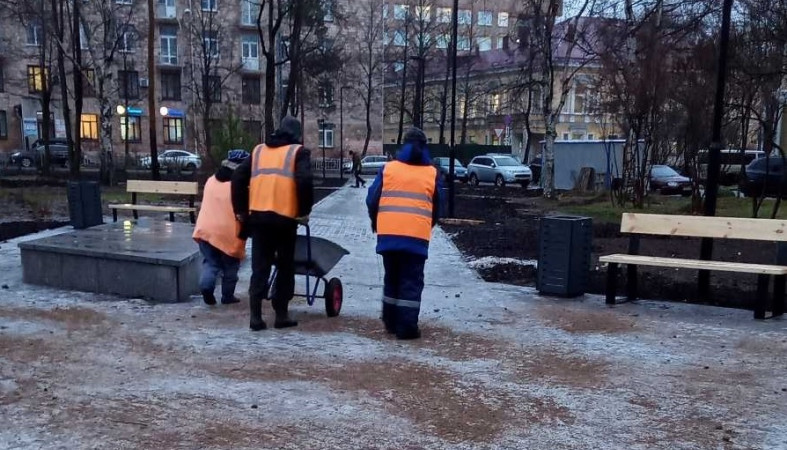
<point>407,335</point>
<point>283,320</point>
<point>208,297</point>
<point>256,323</point>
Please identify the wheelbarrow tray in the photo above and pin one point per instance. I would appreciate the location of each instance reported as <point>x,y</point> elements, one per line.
<point>325,256</point>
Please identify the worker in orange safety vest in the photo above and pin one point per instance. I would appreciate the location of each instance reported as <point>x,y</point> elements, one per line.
<point>404,204</point>
<point>271,193</point>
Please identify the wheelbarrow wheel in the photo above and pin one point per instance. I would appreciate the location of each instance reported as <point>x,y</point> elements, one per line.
<point>334,295</point>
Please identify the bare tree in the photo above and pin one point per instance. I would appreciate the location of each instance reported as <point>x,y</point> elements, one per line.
<point>368,60</point>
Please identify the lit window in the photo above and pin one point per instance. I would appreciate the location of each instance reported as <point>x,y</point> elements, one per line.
<point>485,18</point>
<point>210,5</point>
<point>465,17</point>
<point>400,12</point>
<point>444,15</point>
<point>36,79</point>
<point>129,129</point>
<point>89,127</point>
<point>173,130</point>
<point>484,43</point>
<point>502,19</point>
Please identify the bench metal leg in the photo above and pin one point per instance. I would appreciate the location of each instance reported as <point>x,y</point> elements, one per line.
<point>136,214</point>
<point>612,282</point>
<point>760,305</point>
<point>631,282</point>
<point>115,215</point>
<point>172,217</point>
<point>192,217</point>
<point>778,295</point>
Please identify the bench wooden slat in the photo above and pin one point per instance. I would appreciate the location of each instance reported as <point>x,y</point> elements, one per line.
<point>162,187</point>
<point>129,206</point>
<point>677,263</point>
<point>700,226</point>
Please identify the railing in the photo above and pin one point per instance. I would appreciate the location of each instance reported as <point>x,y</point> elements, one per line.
<point>331,164</point>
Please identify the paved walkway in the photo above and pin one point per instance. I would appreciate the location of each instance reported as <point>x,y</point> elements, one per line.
<point>498,367</point>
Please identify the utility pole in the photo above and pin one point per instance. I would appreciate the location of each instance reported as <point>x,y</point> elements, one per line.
<point>152,113</point>
<point>714,155</point>
<point>452,151</point>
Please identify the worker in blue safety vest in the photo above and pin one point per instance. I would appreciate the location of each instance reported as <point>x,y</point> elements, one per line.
<point>404,203</point>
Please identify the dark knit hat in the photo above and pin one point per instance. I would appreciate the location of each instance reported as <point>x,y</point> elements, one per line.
<point>291,126</point>
<point>415,134</point>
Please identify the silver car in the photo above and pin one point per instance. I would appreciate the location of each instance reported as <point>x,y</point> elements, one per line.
<point>498,169</point>
<point>370,165</point>
<point>175,158</point>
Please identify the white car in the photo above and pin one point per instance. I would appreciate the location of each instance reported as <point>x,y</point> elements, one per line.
<point>175,158</point>
<point>498,169</point>
<point>369,165</point>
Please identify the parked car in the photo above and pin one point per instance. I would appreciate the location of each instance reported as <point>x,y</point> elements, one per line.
<point>58,156</point>
<point>443,165</point>
<point>175,158</point>
<point>498,169</point>
<point>764,176</point>
<point>370,165</point>
<point>666,180</point>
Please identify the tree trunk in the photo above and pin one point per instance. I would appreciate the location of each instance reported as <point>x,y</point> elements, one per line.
<point>152,90</point>
<point>444,100</point>
<point>548,170</point>
<point>528,130</point>
<point>106,139</point>
<point>295,57</point>
<point>403,91</point>
<point>58,14</point>
<point>270,74</point>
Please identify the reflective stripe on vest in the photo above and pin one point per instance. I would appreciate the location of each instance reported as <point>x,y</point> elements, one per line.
<point>272,186</point>
<point>406,201</point>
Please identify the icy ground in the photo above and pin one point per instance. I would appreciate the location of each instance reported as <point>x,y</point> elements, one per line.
<point>498,367</point>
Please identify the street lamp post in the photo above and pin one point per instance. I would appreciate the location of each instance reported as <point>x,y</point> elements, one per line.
<point>419,92</point>
<point>452,151</point>
<point>341,131</point>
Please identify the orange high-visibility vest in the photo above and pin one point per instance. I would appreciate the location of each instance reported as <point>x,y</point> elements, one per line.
<point>406,201</point>
<point>272,187</point>
<point>216,223</point>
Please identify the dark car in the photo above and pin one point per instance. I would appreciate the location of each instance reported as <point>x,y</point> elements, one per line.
<point>58,156</point>
<point>666,180</point>
<point>764,176</point>
<point>443,165</point>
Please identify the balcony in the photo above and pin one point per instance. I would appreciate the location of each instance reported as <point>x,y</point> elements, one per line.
<point>168,60</point>
<point>251,64</point>
<point>166,12</point>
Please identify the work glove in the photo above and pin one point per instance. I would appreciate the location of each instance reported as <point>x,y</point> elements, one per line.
<point>303,220</point>
<point>243,229</point>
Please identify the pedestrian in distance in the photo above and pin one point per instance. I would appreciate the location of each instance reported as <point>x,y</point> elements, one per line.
<point>217,233</point>
<point>404,204</point>
<point>356,169</point>
<point>272,192</point>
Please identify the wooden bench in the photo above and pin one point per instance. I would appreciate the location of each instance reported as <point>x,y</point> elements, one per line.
<point>702,227</point>
<point>135,187</point>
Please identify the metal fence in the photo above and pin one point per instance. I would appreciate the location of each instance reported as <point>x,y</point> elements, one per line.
<point>331,164</point>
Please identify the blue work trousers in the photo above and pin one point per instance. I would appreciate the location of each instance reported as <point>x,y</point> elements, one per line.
<point>214,261</point>
<point>403,285</point>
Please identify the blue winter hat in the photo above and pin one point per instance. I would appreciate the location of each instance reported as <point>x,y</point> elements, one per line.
<point>237,156</point>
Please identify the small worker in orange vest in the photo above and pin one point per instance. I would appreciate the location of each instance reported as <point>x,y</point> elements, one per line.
<point>272,192</point>
<point>404,205</point>
<point>217,231</point>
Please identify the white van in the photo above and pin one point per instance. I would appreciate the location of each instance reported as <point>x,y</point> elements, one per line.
<point>731,162</point>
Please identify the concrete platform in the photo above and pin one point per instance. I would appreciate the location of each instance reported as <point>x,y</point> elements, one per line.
<point>155,260</point>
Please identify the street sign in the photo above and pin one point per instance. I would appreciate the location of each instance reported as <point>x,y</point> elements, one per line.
<point>498,132</point>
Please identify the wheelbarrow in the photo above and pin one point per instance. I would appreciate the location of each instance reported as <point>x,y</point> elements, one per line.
<point>314,258</point>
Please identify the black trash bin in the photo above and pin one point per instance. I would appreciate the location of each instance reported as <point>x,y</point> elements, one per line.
<point>84,204</point>
<point>564,255</point>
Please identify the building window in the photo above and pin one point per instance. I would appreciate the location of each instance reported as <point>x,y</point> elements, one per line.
<point>34,34</point>
<point>210,5</point>
<point>398,66</point>
<point>325,93</point>
<point>88,82</point>
<point>400,12</point>
<point>444,15</point>
<point>124,2</point>
<point>250,11</point>
<point>173,130</point>
<point>465,17</point>
<point>210,43</point>
<point>170,85</point>
<point>502,19</point>
<point>127,39</point>
<point>399,39</point>
<point>442,41</point>
<point>565,136</point>
<point>250,52</point>
<point>326,134</point>
<point>423,13</point>
<point>130,129</point>
<point>2,81</point>
<point>485,18</point>
<point>501,42</point>
<point>128,83</point>
<point>3,125</point>
<point>250,90</point>
<point>327,8</point>
<point>89,127</point>
<point>213,86</point>
<point>612,137</point>
<point>484,43</point>
<point>169,45</point>
<point>591,137</point>
<point>36,78</point>
<point>463,43</point>
<point>495,101</point>
<point>84,43</point>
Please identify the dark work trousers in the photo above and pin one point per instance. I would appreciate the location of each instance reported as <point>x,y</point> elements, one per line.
<point>403,285</point>
<point>273,244</point>
<point>358,180</point>
<point>214,261</point>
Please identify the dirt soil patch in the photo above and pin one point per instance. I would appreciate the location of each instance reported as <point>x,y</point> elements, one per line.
<point>510,230</point>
